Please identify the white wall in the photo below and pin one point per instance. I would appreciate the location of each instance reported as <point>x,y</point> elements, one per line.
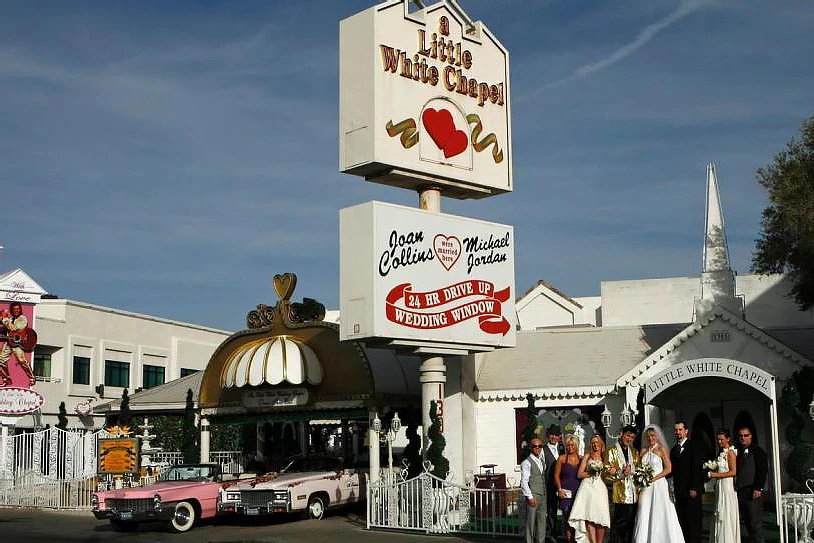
<point>649,301</point>
<point>80,329</point>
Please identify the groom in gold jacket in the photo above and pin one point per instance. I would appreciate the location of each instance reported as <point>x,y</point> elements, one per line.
<point>620,461</point>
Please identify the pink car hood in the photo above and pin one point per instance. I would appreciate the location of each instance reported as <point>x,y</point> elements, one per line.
<point>188,488</point>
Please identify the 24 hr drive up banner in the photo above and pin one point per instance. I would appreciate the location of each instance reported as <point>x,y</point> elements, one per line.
<point>407,274</point>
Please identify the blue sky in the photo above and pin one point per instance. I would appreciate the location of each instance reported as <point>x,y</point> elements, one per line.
<point>169,158</point>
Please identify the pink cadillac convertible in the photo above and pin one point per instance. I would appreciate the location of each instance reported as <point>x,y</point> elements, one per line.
<point>182,495</point>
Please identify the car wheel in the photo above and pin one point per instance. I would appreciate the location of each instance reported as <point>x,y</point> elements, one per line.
<point>316,507</point>
<point>183,517</point>
<point>123,525</point>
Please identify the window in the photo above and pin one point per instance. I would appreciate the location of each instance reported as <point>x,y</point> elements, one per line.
<point>152,376</point>
<point>42,364</point>
<point>188,371</point>
<point>117,374</point>
<point>81,370</point>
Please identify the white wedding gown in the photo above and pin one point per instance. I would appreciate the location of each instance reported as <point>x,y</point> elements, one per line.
<point>656,519</point>
<point>725,524</point>
<point>590,505</point>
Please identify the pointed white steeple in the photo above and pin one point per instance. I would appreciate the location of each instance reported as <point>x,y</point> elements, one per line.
<point>717,277</point>
<point>716,250</point>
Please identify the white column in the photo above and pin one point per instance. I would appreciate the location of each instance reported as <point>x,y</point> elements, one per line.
<point>775,460</point>
<point>204,440</point>
<point>433,377</point>
<point>373,447</point>
<point>5,445</point>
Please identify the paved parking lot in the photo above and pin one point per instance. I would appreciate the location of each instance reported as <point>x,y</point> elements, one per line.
<point>41,526</point>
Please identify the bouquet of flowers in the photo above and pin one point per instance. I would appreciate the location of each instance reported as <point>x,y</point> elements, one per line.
<point>710,465</point>
<point>595,467</point>
<point>643,475</point>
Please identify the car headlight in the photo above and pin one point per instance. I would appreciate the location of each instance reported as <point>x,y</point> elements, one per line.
<point>157,502</point>
<point>233,496</point>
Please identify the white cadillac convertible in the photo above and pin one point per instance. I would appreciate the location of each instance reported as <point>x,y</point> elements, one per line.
<point>308,485</point>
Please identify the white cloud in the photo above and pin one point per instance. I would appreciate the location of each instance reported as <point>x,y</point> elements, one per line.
<point>645,35</point>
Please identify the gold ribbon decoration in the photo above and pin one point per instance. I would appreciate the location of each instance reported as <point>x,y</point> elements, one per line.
<point>497,153</point>
<point>407,129</point>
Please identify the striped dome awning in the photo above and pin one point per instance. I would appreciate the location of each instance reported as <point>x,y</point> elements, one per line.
<point>272,360</point>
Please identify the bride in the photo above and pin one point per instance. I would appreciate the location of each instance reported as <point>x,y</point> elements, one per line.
<point>656,519</point>
<point>726,524</point>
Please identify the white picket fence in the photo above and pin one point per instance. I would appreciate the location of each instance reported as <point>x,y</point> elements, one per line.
<point>56,468</point>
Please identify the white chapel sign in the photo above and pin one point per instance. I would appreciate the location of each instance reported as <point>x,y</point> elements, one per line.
<point>408,274</point>
<point>710,367</point>
<point>424,95</point>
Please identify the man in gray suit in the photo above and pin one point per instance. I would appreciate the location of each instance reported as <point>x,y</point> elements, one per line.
<point>533,486</point>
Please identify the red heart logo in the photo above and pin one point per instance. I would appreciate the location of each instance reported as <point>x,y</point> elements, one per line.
<point>447,249</point>
<point>456,144</point>
<point>441,128</point>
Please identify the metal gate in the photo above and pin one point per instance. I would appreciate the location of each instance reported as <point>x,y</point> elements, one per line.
<point>429,504</point>
<point>50,468</point>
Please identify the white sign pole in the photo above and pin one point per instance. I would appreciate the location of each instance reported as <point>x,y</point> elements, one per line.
<point>433,371</point>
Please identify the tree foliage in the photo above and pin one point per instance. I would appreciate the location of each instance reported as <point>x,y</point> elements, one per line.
<point>124,410</point>
<point>530,429</point>
<point>796,409</point>
<point>189,432</point>
<point>435,452</point>
<point>62,417</point>
<point>786,241</point>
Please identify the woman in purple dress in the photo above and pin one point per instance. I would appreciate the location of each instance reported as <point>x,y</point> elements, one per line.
<point>565,479</point>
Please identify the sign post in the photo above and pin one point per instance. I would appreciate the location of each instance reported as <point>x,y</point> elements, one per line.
<point>425,105</point>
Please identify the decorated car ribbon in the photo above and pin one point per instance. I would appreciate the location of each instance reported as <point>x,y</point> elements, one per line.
<point>497,153</point>
<point>407,130</point>
<point>487,308</point>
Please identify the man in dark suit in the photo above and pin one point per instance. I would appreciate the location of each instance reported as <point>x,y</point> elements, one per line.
<point>688,482</point>
<point>552,451</point>
<point>753,467</point>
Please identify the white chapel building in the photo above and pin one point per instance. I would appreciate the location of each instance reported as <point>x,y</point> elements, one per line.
<point>713,350</point>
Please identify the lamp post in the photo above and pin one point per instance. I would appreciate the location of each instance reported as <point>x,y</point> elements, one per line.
<point>387,435</point>
<point>626,418</point>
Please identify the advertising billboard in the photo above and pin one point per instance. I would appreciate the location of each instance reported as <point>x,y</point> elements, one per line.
<point>408,274</point>
<point>19,295</point>
<point>424,96</point>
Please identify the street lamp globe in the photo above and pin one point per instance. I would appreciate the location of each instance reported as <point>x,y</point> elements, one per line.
<point>607,418</point>
<point>376,425</point>
<point>627,416</point>
<point>395,424</point>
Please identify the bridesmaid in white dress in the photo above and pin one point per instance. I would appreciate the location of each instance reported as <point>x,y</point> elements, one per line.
<point>726,526</point>
<point>656,518</point>
<point>590,514</point>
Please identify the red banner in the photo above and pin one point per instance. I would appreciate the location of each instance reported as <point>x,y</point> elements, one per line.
<point>487,308</point>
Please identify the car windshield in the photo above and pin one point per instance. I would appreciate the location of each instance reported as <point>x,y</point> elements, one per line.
<point>190,473</point>
<point>301,465</point>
